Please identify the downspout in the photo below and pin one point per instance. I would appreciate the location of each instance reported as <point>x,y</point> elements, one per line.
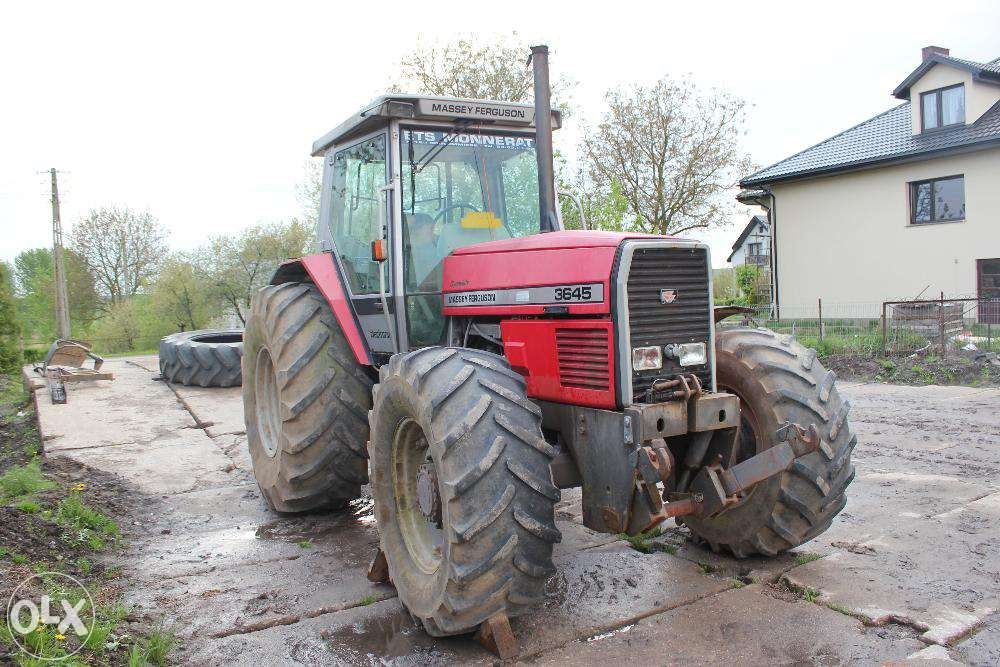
<point>772,214</point>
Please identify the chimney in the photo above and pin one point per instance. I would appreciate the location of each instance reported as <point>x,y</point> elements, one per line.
<point>929,51</point>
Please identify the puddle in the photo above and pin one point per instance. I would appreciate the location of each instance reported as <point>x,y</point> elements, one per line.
<point>360,513</point>
<point>394,639</point>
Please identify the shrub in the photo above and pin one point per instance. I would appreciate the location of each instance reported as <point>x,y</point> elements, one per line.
<point>10,332</point>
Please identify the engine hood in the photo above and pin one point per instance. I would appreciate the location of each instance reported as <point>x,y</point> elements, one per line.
<point>552,241</point>
<point>530,275</point>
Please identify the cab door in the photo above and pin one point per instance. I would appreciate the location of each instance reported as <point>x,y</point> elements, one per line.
<point>360,209</point>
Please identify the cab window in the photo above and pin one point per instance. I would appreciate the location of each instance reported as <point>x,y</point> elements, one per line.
<point>359,172</point>
<point>459,188</point>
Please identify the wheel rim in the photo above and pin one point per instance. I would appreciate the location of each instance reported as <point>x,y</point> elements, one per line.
<point>268,403</point>
<point>418,500</point>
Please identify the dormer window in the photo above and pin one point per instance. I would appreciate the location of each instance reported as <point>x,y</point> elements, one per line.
<point>942,107</point>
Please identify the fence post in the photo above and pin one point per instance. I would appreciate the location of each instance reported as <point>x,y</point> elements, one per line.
<point>941,334</point>
<point>820,306</point>
<point>884,341</point>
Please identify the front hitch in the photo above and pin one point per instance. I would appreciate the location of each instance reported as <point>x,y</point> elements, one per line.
<point>713,488</point>
<point>721,488</point>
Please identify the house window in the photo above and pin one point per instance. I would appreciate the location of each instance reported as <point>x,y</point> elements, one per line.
<point>938,200</point>
<point>942,107</point>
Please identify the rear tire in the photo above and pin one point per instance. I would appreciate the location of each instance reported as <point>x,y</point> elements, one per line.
<point>203,358</point>
<point>488,547</point>
<point>779,380</point>
<point>305,399</point>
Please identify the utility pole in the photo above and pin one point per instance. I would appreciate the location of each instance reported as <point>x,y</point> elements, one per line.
<point>58,267</point>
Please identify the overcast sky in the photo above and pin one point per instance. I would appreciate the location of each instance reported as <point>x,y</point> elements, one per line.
<point>203,113</point>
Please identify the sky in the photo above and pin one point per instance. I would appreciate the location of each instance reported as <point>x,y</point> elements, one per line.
<point>203,113</point>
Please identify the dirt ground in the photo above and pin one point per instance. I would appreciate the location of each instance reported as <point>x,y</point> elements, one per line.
<point>958,367</point>
<point>910,569</point>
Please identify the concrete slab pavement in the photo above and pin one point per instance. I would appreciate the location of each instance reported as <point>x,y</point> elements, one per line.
<point>916,546</point>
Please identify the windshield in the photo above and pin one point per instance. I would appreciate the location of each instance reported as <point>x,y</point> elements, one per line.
<point>459,188</point>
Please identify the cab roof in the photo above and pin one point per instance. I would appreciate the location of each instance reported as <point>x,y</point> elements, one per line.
<point>427,107</point>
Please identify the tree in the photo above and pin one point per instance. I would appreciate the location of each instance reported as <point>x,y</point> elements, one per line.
<point>10,332</point>
<point>123,249</point>
<point>673,153</point>
<point>33,276</point>
<point>119,329</point>
<point>475,68</point>
<point>240,265</point>
<point>183,295</point>
<point>310,189</point>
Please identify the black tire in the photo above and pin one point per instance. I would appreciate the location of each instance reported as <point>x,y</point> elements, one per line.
<point>205,358</point>
<point>497,518</point>
<point>305,399</point>
<point>779,380</point>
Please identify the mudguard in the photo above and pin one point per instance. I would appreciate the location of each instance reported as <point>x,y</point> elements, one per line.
<point>322,270</point>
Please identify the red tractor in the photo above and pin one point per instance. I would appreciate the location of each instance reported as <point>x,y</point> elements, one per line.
<point>454,346</point>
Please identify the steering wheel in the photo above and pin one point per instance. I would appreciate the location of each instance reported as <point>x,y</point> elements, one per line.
<point>440,214</point>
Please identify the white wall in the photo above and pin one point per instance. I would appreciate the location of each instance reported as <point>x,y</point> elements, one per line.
<point>847,238</point>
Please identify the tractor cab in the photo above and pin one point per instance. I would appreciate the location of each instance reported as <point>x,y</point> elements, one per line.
<point>408,180</point>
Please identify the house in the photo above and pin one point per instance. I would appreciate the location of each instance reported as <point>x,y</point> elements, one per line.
<point>904,204</point>
<point>753,245</point>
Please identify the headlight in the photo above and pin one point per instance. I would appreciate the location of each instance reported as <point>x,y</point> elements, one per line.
<point>647,358</point>
<point>686,354</point>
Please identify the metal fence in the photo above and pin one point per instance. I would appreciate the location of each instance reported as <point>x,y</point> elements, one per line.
<point>884,328</point>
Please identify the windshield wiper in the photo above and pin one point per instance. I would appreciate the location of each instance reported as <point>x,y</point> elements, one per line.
<point>436,149</point>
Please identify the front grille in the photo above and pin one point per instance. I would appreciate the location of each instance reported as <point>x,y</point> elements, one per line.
<point>583,358</point>
<point>686,320</point>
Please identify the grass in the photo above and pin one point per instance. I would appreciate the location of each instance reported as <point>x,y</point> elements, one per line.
<point>706,568</point>
<point>737,583</point>
<point>840,609</point>
<point>810,595</point>
<point>642,542</point>
<point>86,525</point>
<point>12,397</point>
<point>29,506</point>
<point>22,481</point>
<point>75,513</point>
<point>153,650</point>
<point>803,558</point>
<point>305,544</point>
<point>367,600</point>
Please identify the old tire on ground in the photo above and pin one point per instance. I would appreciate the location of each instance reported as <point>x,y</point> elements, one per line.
<point>779,380</point>
<point>305,399</point>
<point>205,358</point>
<point>458,422</point>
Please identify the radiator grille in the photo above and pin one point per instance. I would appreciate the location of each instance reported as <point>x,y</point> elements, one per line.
<point>583,358</point>
<point>686,320</point>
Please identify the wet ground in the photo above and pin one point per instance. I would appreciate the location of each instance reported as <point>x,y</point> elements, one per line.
<point>910,569</point>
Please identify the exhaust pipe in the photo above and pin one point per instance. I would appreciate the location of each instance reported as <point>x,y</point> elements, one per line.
<point>543,139</point>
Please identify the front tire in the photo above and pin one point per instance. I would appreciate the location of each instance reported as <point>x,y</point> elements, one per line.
<point>457,422</point>
<point>778,380</point>
<point>305,399</point>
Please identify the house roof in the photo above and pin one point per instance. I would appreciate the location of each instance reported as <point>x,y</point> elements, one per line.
<point>987,72</point>
<point>754,221</point>
<point>888,137</point>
